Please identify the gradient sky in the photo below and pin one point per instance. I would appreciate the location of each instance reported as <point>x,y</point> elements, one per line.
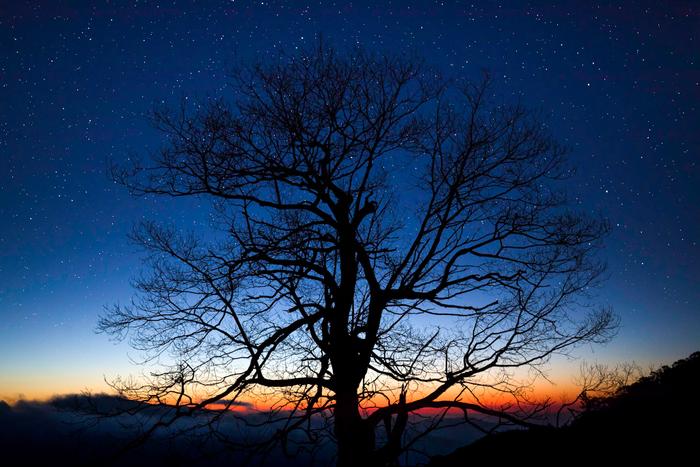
<point>619,83</point>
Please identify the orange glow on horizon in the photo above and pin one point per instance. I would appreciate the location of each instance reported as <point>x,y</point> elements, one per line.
<point>538,392</point>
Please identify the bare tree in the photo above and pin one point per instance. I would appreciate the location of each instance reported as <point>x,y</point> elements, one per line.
<point>390,242</point>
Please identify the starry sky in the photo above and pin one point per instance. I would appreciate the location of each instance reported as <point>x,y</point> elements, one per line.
<point>618,83</point>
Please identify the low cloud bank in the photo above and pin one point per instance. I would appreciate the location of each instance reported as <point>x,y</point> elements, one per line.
<point>58,432</point>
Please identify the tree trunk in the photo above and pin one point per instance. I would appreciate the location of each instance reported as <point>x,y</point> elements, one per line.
<point>354,436</point>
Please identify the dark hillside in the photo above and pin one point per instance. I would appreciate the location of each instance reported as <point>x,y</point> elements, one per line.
<point>655,417</point>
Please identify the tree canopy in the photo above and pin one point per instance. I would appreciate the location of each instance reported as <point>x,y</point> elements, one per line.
<point>389,242</point>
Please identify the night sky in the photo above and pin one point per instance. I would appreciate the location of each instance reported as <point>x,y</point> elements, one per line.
<point>618,83</point>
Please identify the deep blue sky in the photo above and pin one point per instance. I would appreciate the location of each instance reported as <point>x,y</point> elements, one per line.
<point>619,83</point>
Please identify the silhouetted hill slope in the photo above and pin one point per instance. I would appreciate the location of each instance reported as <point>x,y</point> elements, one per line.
<point>655,417</point>
<point>4,407</point>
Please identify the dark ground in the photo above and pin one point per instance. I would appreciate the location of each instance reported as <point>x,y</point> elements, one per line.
<point>652,420</point>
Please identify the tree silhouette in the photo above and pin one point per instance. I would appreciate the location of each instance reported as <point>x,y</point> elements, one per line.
<point>387,242</point>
